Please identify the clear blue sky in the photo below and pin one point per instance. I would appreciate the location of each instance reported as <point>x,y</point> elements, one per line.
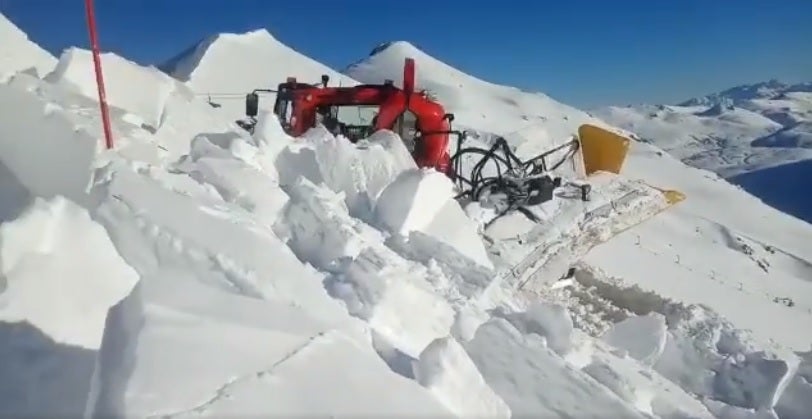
<point>586,53</point>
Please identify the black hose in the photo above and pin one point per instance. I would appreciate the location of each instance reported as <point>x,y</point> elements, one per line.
<point>506,161</point>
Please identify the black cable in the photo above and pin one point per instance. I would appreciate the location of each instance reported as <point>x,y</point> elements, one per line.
<point>520,182</point>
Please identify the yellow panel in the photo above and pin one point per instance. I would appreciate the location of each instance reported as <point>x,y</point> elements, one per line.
<point>672,196</point>
<point>602,150</point>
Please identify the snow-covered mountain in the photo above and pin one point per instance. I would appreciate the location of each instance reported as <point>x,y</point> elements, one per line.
<point>197,270</point>
<point>256,60</point>
<point>756,136</point>
<point>738,95</point>
<point>532,119</point>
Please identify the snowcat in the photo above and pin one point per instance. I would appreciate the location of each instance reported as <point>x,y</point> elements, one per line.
<point>597,202</point>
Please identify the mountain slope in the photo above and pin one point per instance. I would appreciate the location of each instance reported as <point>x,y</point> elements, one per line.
<point>746,134</point>
<point>303,277</point>
<point>256,60</point>
<point>532,121</point>
<point>737,95</point>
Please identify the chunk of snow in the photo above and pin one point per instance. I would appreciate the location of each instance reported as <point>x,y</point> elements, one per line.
<point>446,370</point>
<point>550,321</point>
<point>18,53</point>
<point>45,150</point>
<point>397,303</point>
<point>128,86</point>
<point>319,227</point>
<point>643,337</point>
<point>421,200</point>
<point>360,171</point>
<point>413,200</point>
<point>59,277</point>
<point>535,381</point>
<point>160,226</point>
<point>76,289</point>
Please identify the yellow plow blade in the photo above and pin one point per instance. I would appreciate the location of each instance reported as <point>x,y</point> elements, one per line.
<point>605,151</point>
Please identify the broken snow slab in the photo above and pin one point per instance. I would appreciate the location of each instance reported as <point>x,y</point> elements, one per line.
<point>240,255</point>
<point>533,255</point>
<point>422,201</point>
<point>360,171</point>
<point>642,337</point>
<point>54,300</point>
<point>535,381</point>
<point>375,283</point>
<point>446,369</point>
<point>640,386</point>
<point>397,302</point>
<point>178,347</point>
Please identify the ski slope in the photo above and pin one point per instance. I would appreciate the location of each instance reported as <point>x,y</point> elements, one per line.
<point>756,136</point>
<point>221,274</point>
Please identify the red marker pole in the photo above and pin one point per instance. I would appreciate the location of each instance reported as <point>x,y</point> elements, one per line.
<point>94,44</point>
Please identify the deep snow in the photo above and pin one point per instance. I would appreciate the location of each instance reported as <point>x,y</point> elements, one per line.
<point>216,273</point>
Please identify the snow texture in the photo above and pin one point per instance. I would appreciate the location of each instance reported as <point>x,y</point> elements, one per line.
<point>198,270</point>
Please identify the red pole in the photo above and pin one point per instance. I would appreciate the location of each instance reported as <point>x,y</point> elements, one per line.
<point>94,44</point>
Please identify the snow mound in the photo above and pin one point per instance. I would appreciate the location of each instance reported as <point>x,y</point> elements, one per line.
<point>490,109</point>
<point>445,369</point>
<point>18,53</point>
<point>46,262</point>
<point>227,66</point>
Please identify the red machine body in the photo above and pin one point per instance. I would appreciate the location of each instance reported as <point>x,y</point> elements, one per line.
<point>404,111</point>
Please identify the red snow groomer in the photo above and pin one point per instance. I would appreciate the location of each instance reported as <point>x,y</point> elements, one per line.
<point>356,112</point>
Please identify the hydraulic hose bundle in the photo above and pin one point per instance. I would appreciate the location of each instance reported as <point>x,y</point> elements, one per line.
<point>519,183</point>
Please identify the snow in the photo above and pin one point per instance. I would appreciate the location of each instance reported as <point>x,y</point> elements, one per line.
<point>446,369</point>
<point>643,337</point>
<point>197,270</point>
<point>530,120</point>
<point>18,53</point>
<point>756,136</point>
<point>256,60</point>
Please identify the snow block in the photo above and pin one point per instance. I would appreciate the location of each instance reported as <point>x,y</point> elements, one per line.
<point>41,144</point>
<point>277,357</point>
<point>139,90</point>
<point>534,381</point>
<point>156,227</point>
<point>21,54</point>
<point>54,256</point>
<point>796,400</point>
<point>646,390</point>
<point>398,303</point>
<point>319,227</point>
<point>447,371</point>
<point>706,356</point>
<point>362,170</point>
<point>236,180</point>
<point>551,321</point>
<point>643,337</point>
<point>60,276</point>
<point>422,200</point>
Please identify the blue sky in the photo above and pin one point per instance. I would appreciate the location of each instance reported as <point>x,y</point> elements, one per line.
<point>586,53</point>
